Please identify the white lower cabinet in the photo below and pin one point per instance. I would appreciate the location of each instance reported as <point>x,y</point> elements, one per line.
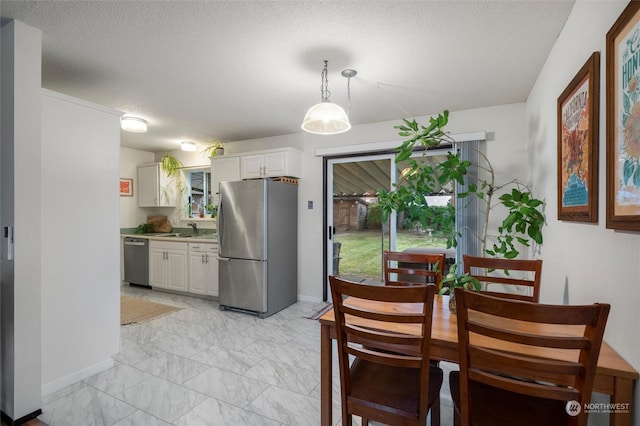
<point>168,265</point>
<point>203,269</point>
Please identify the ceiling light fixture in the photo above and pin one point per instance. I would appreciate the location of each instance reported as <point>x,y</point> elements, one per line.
<point>188,146</point>
<point>348,73</point>
<point>326,118</point>
<point>133,124</point>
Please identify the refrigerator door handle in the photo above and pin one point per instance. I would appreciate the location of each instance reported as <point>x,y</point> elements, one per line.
<point>220,221</point>
<point>223,259</point>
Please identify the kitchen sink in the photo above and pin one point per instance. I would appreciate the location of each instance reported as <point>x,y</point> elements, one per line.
<point>186,235</point>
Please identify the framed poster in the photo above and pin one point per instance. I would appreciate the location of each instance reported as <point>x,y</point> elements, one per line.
<point>126,187</point>
<point>623,121</point>
<point>578,116</point>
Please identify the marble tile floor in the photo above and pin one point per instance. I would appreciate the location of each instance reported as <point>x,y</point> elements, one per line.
<point>202,366</point>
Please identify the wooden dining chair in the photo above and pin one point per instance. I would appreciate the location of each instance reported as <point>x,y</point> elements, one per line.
<point>404,268</point>
<point>498,386</point>
<point>486,270</point>
<point>394,387</point>
<point>409,268</point>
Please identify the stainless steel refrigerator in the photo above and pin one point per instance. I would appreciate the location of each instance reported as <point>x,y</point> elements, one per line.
<point>258,246</point>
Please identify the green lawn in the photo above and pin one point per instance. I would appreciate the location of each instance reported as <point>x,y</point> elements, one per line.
<point>361,252</point>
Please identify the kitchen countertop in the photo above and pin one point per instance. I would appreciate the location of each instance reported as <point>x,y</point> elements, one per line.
<point>176,236</point>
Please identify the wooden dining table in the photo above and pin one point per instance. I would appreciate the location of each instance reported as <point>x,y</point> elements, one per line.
<point>614,375</point>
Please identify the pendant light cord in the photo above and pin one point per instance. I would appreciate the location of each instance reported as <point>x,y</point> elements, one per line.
<point>324,86</point>
<point>348,73</point>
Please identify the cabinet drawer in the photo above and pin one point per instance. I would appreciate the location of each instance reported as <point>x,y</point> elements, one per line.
<point>168,245</point>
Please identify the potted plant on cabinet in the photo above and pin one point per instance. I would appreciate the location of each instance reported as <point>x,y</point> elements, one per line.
<point>215,148</point>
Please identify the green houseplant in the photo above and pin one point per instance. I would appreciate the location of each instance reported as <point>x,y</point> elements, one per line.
<point>213,149</point>
<point>171,166</point>
<point>524,218</point>
<point>453,280</point>
<point>210,209</point>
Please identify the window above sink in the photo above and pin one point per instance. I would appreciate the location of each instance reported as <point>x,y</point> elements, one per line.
<point>198,194</point>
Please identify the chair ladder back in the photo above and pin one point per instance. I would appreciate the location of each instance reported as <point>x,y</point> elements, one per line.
<point>404,268</point>
<point>358,336</point>
<point>531,339</point>
<point>481,268</point>
<point>572,332</point>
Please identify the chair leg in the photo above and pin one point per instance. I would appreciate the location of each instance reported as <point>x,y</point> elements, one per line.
<point>435,412</point>
<point>365,422</point>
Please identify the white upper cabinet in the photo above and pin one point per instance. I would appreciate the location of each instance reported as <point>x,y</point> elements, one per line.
<point>155,188</point>
<point>252,165</point>
<point>223,169</point>
<point>271,164</point>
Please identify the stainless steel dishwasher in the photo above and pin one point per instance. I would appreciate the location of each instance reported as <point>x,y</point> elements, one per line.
<point>136,261</point>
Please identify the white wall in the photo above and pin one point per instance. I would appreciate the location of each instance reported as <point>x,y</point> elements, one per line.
<point>506,147</point>
<point>20,186</point>
<point>599,265</point>
<point>80,242</point>
<point>130,214</point>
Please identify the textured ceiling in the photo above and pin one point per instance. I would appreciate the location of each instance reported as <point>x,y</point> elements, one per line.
<point>237,70</point>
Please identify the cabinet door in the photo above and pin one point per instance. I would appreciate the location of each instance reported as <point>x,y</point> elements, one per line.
<point>223,170</point>
<point>211,265</point>
<point>197,272</point>
<point>157,268</point>
<point>148,184</point>
<point>177,270</point>
<point>275,164</point>
<point>252,166</point>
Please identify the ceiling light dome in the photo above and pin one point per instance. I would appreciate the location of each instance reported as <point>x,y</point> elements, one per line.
<point>133,124</point>
<point>326,118</point>
<point>188,146</point>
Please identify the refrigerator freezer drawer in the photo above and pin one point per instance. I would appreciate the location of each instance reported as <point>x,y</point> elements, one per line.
<point>243,284</point>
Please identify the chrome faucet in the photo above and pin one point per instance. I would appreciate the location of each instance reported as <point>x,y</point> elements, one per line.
<point>193,226</point>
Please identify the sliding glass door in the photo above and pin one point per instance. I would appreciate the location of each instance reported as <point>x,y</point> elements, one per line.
<point>356,233</point>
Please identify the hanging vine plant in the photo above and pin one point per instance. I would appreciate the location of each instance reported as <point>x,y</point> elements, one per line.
<point>172,168</point>
<point>524,220</point>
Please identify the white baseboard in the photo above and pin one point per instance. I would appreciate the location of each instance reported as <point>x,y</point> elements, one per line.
<point>303,298</point>
<point>79,375</point>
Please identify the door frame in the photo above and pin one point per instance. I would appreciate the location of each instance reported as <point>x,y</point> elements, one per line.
<point>327,210</point>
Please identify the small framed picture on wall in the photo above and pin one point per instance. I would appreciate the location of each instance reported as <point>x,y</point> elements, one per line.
<point>126,187</point>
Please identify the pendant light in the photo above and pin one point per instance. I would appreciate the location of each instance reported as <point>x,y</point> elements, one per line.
<point>325,118</point>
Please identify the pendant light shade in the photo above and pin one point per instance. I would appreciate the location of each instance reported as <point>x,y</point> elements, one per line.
<point>325,118</point>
